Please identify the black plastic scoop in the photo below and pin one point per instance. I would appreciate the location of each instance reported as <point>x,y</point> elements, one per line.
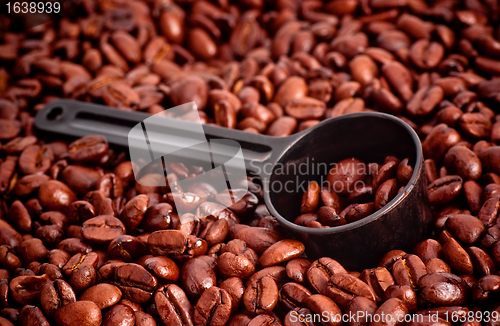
<point>369,136</point>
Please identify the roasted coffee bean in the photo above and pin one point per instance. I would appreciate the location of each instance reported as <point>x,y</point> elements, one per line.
<point>363,307</point>
<point>32,315</point>
<point>310,199</point>
<point>483,264</point>
<point>393,307</point>
<point>408,270</point>
<point>258,239</point>
<point>379,279</point>
<point>280,252</point>
<point>299,316</point>
<point>103,295</point>
<point>234,286</point>
<point>261,295</point>
<point>213,307</point>
<point>405,293</point>
<point>215,232</point>
<point>80,312</point>
<point>321,271</point>
<point>36,159</point>
<point>428,249</point>
<point>296,269</point>
<point>438,141</point>
<point>9,129</point>
<point>305,108</point>
<point>466,228</point>
<point>87,149</point>
<point>491,237</point>
<point>272,68</point>
<point>158,217</point>
<point>391,257</point>
<point>102,229</point>
<point>319,304</point>
<point>32,250</point>
<point>133,212</point>
<point>293,295</point>
<point>144,319</point>
<point>172,243</point>
<point>488,214</point>
<point>444,190</point>
<point>126,248</point>
<point>197,275</point>
<point>464,162</point>
<point>55,195</point>
<point>119,315</point>
<point>80,270</point>
<point>486,289</point>
<point>435,265</point>
<point>441,289</point>
<point>173,306</point>
<point>473,194</point>
<point>8,259</point>
<point>457,257</point>
<point>54,295</point>
<point>343,177</point>
<point>161,267</point>
<point>385,193</point>
<point>80,178</point>
<point>328,216</point>
<point>235,265</point>
<point>282,127</point>
<point>135,282</point>
<point>343,287</point>
<point>26,289</point>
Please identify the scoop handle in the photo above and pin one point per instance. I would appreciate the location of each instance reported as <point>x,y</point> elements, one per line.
<point>77,119</point>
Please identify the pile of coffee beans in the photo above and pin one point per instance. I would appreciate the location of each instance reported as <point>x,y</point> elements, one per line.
<point>83,243</point>
<point>353,190</point>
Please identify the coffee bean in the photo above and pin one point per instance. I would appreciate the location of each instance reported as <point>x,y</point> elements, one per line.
<point>466,228</point>
<point>80,270</point>
<point>102,229</point>
<point>54,295</point>
<point>87,149</point>
<point>161,267</point>
<point>442,289</point>
<point>343,287</point>
<point>319,303</point>
<point>103,295</point>
<point>127,248</point>
<point>213,307</point>
<point>134,211</point>
<point>55,195</point>
<point>234,286</point>
<point>408,270</point>
<point>82,312</point>
<point>393,307</point>
<point>261,295</point>
<point>119,315</point>
<point>173,306</point>
<point>378,279</point>
<point>357,306</point>
<point>280,252</point>
<point>197,275</point>
<point>445,189</point>
<point>489,212</point>
<point>343,177</point>
<point>321,271</point>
